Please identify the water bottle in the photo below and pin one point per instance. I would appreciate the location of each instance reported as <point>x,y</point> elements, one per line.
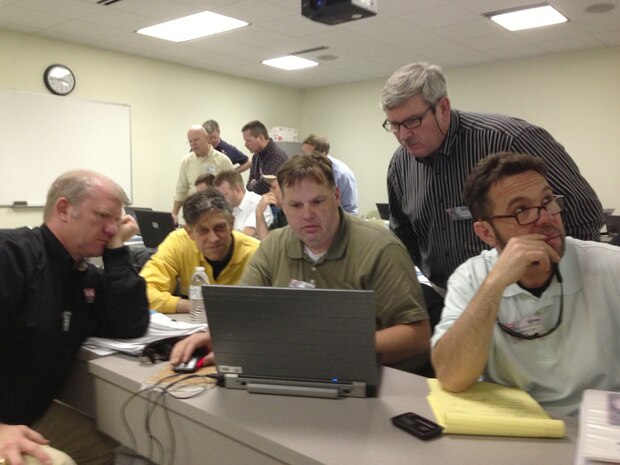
<point>197,312</point>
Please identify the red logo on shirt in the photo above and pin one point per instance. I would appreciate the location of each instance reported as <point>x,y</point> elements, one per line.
<point>89,295</point>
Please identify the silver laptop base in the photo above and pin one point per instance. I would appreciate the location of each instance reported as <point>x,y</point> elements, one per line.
<point>295,388</point>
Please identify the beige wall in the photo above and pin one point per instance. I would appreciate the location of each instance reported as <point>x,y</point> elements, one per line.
<point>165,100</point>
<point>574,95</point>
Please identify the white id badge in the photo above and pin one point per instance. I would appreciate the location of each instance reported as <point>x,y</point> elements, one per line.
<point>459,213</point>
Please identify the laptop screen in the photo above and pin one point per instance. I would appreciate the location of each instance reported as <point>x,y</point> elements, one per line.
<point>613,224</point>
<point>313,335</point>
<point>154,226</point>
<point>384,210</point>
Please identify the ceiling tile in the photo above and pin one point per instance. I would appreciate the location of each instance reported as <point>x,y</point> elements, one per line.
<point>447,32</point>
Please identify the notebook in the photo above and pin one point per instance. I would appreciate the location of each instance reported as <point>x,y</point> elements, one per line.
<point>290,341</point>
<point>384,210</point>
<point>154,226</point>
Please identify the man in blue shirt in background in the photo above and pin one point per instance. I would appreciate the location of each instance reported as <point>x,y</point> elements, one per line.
<point>344,177</point>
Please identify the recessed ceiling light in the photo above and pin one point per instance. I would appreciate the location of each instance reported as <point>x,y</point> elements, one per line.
<point>192,27</point>
<point>290,62</point>
<point>527,17</point>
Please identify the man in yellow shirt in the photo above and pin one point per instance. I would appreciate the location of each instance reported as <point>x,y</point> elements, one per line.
<point>207,240</point>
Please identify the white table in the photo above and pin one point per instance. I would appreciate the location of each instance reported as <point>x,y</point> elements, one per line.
<point>224,426</point>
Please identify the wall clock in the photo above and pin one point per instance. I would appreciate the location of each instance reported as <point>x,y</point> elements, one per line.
<point>59,79</point>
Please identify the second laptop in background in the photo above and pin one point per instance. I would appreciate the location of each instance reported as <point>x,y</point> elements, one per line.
<point>154,226</point>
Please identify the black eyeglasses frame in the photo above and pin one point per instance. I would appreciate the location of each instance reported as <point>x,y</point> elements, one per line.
<point>412,122</point>
<point>558,199</point>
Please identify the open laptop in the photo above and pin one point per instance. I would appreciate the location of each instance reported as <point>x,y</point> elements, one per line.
<point>384,210</point>
<point>289,341</point>
<point>612,223</point>
<point>132,212</point>
<point>154,226</point>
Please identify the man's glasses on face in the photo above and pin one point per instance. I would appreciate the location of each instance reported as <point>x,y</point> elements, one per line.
<point>553,205</point>
<point>410,123</point>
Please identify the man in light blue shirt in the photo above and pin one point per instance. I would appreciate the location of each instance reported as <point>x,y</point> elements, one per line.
<point>344,177</point>
<point>539,311</point>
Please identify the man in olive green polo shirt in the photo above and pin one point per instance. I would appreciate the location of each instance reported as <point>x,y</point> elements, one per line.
<point>323,247</point>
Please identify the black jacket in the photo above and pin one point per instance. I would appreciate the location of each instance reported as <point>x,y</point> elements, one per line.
<point>48,308</point>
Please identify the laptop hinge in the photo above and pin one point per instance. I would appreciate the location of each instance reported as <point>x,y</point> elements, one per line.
<point>294,387</point>
<point>325,393</point>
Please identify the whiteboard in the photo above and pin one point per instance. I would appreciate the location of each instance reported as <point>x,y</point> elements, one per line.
<point>42,136</point>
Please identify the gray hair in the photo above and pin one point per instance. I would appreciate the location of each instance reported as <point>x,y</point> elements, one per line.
<point>320,143</point>
<point>413,79</point>
<point>201,202</point>
<point>76,186</point>
<point>211,126</point>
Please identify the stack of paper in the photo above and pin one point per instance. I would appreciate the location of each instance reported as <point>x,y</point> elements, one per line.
<point>160,327</point>
<point>599,428</point>
<point>493,410</point>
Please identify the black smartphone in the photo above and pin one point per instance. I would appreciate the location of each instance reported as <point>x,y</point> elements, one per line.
<point>417,425</point>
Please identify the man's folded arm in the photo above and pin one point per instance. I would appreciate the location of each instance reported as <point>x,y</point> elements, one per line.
<point>126,310</point>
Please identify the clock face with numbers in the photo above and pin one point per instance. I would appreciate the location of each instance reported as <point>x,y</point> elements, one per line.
<point>59,79</point>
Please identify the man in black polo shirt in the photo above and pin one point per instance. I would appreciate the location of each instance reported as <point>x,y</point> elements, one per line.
<point>51,300</point>
<point>236,156</point>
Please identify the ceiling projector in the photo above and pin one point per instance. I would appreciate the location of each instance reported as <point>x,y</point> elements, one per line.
<point>338,11</point>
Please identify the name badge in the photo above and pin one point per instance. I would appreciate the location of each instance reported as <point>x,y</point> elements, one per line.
<point>459,213</point>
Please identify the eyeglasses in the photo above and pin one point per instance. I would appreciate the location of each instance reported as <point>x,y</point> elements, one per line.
<point>531,337</point>
<point>410,123</point>
<point>553,205</point>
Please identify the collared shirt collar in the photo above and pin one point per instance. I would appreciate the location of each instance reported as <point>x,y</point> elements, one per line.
<point>210,153</point>
<point>455,123</point>
<point>268,148</point>
<point>58,252</point>
<point>445,149</point>
<point>572,280</point>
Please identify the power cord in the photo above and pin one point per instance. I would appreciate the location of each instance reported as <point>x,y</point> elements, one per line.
<point>156,395</point>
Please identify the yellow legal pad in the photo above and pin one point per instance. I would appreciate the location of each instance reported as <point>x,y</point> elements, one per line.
<point>492,410</point>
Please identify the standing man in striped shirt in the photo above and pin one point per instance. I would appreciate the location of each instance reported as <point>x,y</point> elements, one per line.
<point>439,147</point>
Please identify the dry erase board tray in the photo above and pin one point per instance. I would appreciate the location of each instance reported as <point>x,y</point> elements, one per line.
<point>22,205</point>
